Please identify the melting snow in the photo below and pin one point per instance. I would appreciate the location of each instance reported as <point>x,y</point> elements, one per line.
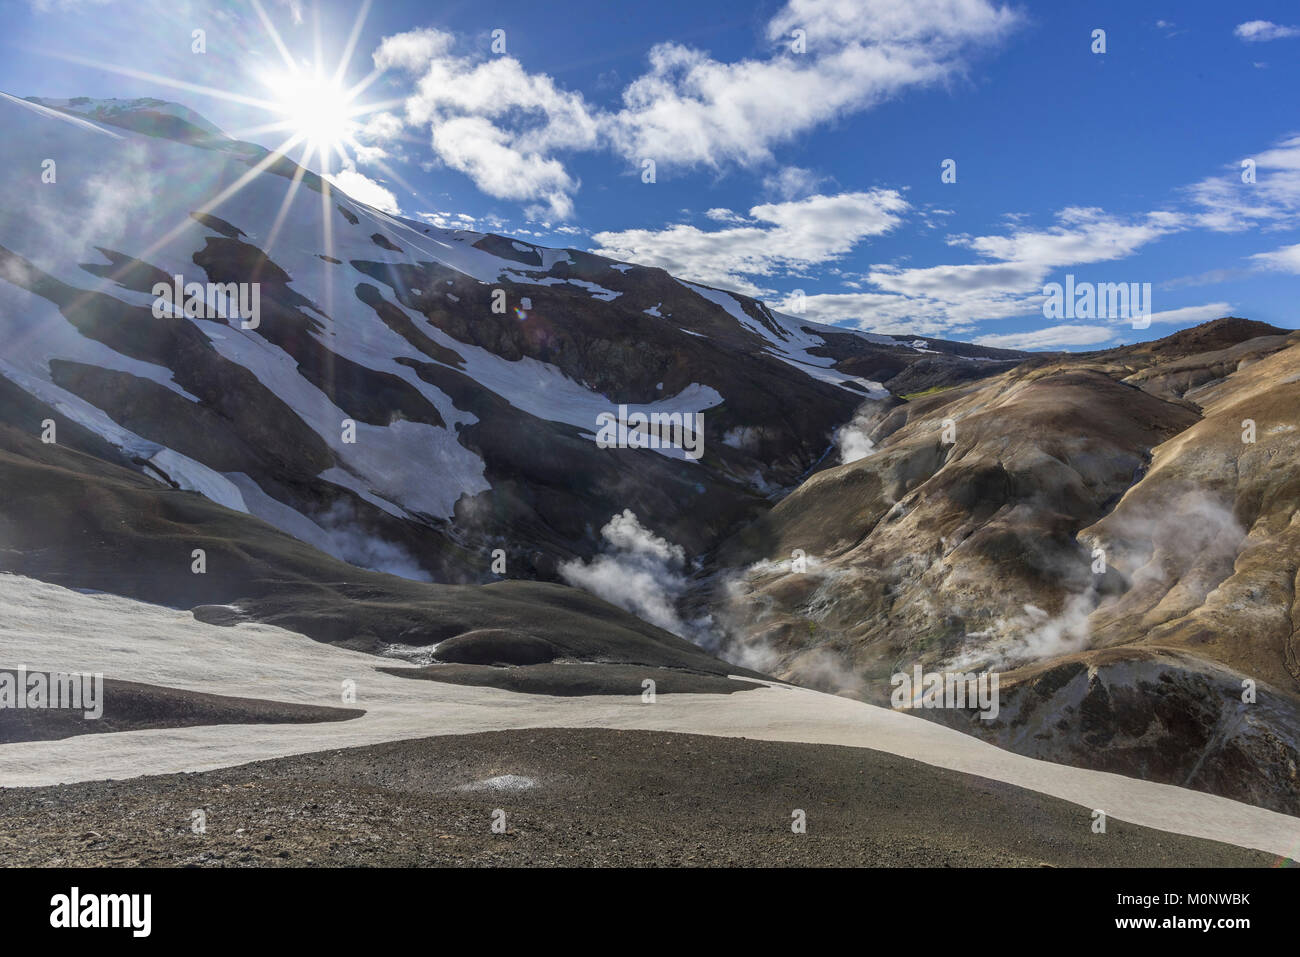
<point>47,627</point>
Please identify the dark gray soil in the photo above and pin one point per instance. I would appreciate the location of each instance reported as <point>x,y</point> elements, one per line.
<point>597,797</point>
<point>569,680</point>
<point>130,706</point>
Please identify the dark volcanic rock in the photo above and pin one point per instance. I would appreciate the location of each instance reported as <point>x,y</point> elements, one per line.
<point>496,646</point>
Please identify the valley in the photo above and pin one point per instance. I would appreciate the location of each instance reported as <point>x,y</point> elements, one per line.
<point>471,513</point>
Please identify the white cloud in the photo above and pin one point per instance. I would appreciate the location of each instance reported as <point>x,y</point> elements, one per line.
<point>1259,31</point>
<point>784,236</point>
<point>1271,202</point>
<point>877,312</point>
<point>507,129</point>
<point>792,182</point>
<point>492,120</point>
<point>382,126</point>
<point>1211,310</point>
<point>365,190</point>
<point>446,220</point>
<point>1085,235</point>
<point>1052,337</point>
<point>945,24</point>
<point>955,283</point>
<point>691,110</point>
<point>894,313</point>
<point>950,297</point>
<point>720,215</point>
<point>490,156</point>
<point>1285,259</point>
<point>410,51</point>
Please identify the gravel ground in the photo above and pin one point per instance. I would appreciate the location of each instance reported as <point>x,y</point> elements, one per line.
<point>577,797</point>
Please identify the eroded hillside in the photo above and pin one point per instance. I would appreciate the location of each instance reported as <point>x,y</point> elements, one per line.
<point>1115,534</point>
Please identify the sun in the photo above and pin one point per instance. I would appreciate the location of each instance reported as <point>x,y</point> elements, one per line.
<point>317,109</point>
<point>312,108</point>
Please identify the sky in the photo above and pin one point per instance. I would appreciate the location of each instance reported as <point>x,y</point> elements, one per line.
<point>799,148</point>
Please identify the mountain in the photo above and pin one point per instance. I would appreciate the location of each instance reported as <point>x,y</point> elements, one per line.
<point>1115,532</point>
<point>381,410</point>
<point>395,450</point>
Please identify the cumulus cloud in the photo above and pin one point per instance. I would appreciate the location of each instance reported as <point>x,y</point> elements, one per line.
<point>492,120</point>
<point>447,220</point>
<point>692,110</point>
<point>955,284</point>
<point>513,133</point>
<point>365,190</point>
<point>873,311</point>
<point>1259,31</point>
<point>932,300</point>
<point>946,25</point>
<point>411,51</point>
<point>950,298</point>
<point>784,236</point>
<point>509,129</point>
<point>1082,235</point>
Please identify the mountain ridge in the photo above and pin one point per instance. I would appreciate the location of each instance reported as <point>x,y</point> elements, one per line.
<point>401,453</point>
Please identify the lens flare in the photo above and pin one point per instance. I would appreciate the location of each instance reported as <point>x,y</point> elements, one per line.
<point>318,110</point>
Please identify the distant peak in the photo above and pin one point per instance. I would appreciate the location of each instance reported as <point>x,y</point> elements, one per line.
<point>113,110</point>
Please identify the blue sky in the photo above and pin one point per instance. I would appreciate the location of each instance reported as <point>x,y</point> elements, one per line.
<point>779,169</point>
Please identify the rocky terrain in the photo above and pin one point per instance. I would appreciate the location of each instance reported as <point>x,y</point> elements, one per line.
<point>1035,523</point>
<point>411,398</point>
<point>579,797</point>
<point>398,458</point>
<point>126,534</point>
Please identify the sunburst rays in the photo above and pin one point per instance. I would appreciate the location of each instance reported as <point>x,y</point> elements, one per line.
<point>311,105</point>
